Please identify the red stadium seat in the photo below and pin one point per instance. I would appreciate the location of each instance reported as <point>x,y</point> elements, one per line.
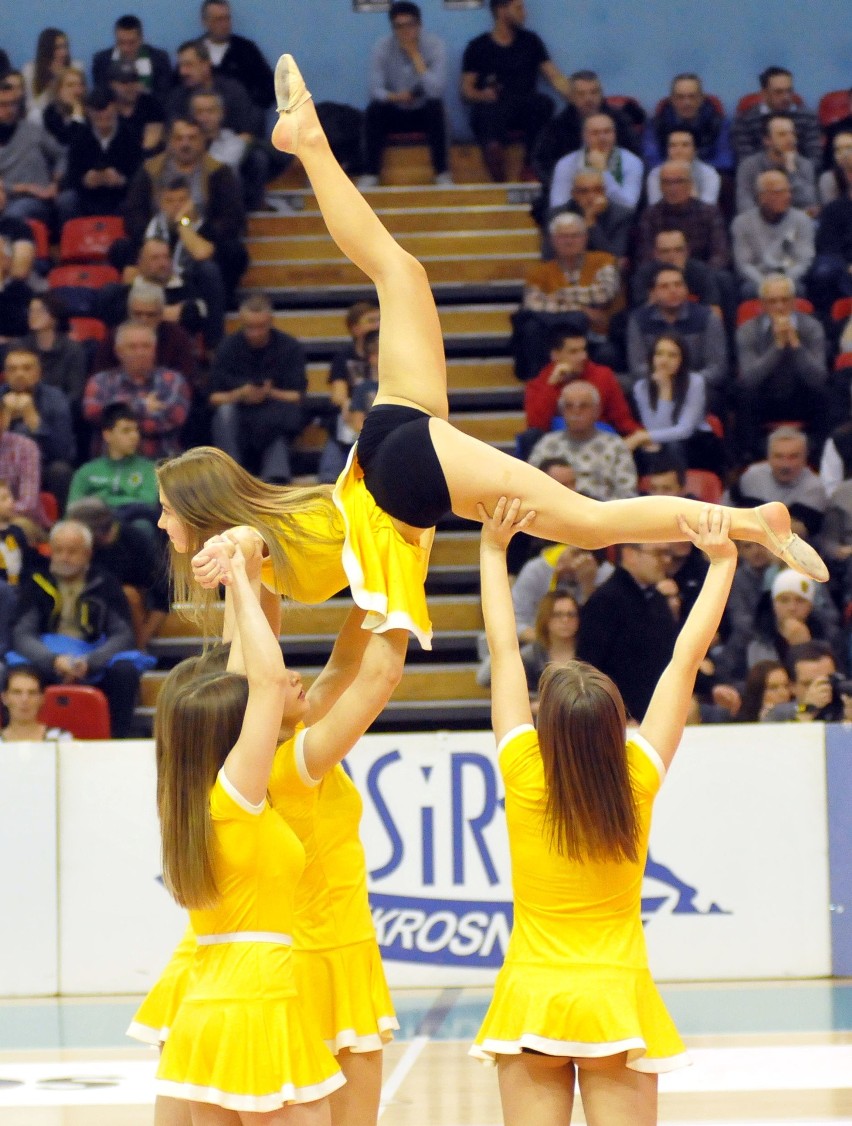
<point>749,100</point>
<point>843,361</point>
<point>704,484</point>
<point>82,276</point>
<point>82,329</point>
<point>748,310</point>
<point>49,507</point>
<point>841,310</point>
<point>78,708</point>
<point>834,106</point>
<point>41,237</point>
<point>89,240</point>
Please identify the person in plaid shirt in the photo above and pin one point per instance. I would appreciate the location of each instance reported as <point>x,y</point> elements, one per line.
<point>159,397</point>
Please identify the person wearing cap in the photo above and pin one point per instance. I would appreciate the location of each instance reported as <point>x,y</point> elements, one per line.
<point>103,155</point>
<point>140,111</point>
<point>787,616</point>
<point>151,64</point>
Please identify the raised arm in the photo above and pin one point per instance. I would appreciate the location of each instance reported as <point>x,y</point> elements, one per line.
<point>342,666</point>
<point>250,760</point>
<point>666,715</point>
<point>510,701</point>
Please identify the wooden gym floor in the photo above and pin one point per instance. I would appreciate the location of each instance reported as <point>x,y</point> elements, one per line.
<point>763,1054</point>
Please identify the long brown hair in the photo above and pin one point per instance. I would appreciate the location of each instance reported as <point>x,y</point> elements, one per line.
<point>198,728</point>
<point>45,50</point>
<point>591,811</point>
<point>680,382</point>
<point>545,610</point>
<point>210,492</point>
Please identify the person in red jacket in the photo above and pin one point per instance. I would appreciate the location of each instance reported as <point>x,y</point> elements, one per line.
<point>569,360</point>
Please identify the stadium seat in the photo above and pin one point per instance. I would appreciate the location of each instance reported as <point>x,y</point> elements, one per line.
<point>748,310</point>
<point>77,285</point>
<point>78,708</point>
<point>749,100</point>
<point>89,239</point>
<point>49,507</point>
<point>834,106</point>
<point>841,310</point>
<point>82,329</point>
<point>843,362</point>
<point>704,484</point>
<point>41,237</point>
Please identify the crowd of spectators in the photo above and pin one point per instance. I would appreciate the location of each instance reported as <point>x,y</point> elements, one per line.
<point>682,326</point>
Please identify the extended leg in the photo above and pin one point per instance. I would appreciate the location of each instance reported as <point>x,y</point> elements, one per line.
<point>412,367</point>
<point>536,1090</point>
<point>613,1095</point>
<point>357,1104</point>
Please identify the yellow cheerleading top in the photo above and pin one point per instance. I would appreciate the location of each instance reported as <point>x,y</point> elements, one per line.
<point>351,541</point>
<point>258,863</point>
<point>569,912</point>
<point>332,908</point>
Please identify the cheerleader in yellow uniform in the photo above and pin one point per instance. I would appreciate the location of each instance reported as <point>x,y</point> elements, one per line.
<point>239,1049</point>
<point>575,998</point>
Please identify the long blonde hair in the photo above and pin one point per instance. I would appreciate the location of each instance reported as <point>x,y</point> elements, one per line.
<point>210,492</point>
<point>198,726</point>
<point>590,812</point>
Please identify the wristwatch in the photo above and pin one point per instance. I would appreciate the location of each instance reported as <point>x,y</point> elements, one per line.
<point>185,221</point>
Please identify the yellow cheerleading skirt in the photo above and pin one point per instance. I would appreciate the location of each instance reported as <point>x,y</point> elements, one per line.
<point>582,1011</point>
<point>240,1039</point>
<point>154,1017</point>
<point>345,996</point>
<point>386,572</point>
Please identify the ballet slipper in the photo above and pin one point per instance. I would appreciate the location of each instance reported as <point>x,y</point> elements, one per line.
<point>798,555</point>
<point>290,94</point>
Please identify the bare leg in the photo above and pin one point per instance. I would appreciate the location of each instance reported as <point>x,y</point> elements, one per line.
<point>171,1112</point>
<point>412,370</point>
<point>613,1095</point>
<point>536,1090</point>
<point>357,1104</point>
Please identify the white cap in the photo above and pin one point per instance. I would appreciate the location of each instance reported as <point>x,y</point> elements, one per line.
<point>789,582</point>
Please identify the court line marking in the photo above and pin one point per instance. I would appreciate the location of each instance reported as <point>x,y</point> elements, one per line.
<point>397,1077</point>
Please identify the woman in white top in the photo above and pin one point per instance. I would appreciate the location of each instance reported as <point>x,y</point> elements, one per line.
<point>22,699</point>
<point>53,55</point>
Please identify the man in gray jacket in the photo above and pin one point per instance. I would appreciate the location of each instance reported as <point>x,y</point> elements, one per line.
<point>782,373</point>
<point>773,237</point>
<point>31,162</point>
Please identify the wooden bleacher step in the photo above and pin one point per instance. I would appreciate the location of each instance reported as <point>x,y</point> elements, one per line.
<point>327,325</point>
<point>400,220</point>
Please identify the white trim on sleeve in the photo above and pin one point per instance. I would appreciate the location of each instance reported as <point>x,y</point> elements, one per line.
<point>633,736</point>
<point>299,757</point>
<point>511,734</point>
<point>232,792</point>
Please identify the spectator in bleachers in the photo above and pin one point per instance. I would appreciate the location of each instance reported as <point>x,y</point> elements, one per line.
<point>812,666</point>
<point>408,79</point>
<point>21,247</point>
<point>777,96</point>
<point>190,302</point>
<point>773,237</point>
<point>85,613</point>
<point>767,684</point>
<point>621,169</point>
<point>672,249</point>
<point>146,304</point>
<point>679,210</point>
<point>564,133</point>
<point>608,224</point>
<point>35,410</point>
<point>627,616</point>
<point>756,568</point>
<point>556,567</point>
<point>500,72</point>
<point>257,388</point>
<point>569,361</point>
<point>217,209</point>
<point>32,162</point>
<point>787,616</point>
<point>782,372</point>
<point>786,476</point>
<point>65,107</point>
<point>670,310</point>
<point>135,558</point>
<point>15,295</point>
<point>601,460</point>
<point>62,360</point>
<point>554,641</point>
<point>103,156</point>
<point>836,461</point>
<point>681,147</point>
<point>688,108</point>
<point>234,56</point>
<point>141,111</point>
<point>121,477</point>
<point>249,161</point>
<point>159,397</point>
<point>836,181</point>
<point>53,55</point>
<point>195,72</point>
<point>831,274</point>
<point>671,403</point>
<point>20,468</point>
<point>779,152</point>
<point>17,559</point>
<point>351,386</point>
<point>152,65</point>
<point>22,698</point>
<point>836,539</point>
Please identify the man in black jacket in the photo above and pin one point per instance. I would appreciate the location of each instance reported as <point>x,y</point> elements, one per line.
<point>103,156</point>
<point>152,64</point>
<point>234,56</point>
<point>75,601</point>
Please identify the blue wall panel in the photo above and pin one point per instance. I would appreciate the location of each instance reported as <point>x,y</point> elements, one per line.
<point>838,754</point>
